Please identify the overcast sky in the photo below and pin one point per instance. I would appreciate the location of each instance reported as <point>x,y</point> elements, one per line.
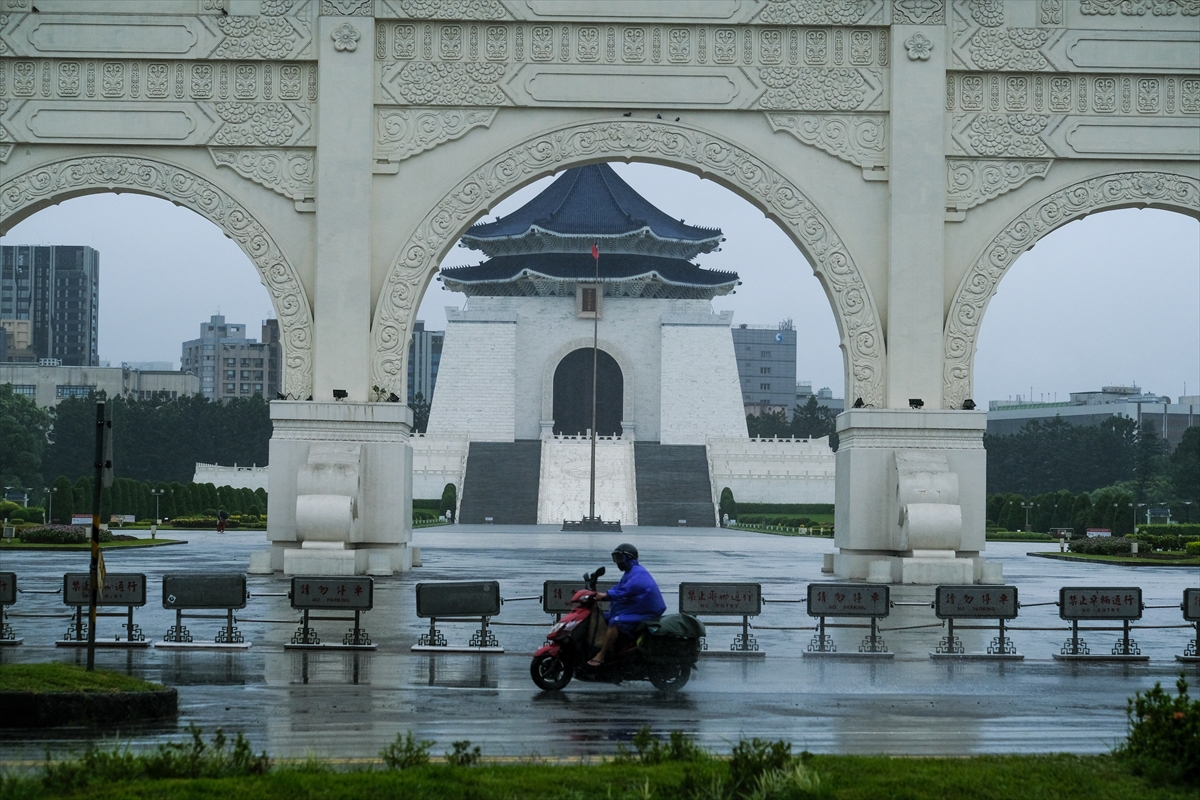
<point>1113,298</point>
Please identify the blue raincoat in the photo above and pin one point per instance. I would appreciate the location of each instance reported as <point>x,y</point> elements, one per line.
<point>634,599</point>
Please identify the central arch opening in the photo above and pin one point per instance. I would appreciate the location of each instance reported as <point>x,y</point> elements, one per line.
<point>573,394</point>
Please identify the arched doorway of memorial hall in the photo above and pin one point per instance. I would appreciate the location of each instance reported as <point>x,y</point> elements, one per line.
<point>1109,304</point>
<point>573,394</point>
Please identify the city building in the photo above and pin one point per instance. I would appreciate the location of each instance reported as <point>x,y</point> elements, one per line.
<point>424,358</point>
<point>230,365</point>
<point>1094,407</point>
<point>766,363</point>
<point>824,396</point>
<point>511,422</point>
<point>50,303</point>
<point>48,384</point>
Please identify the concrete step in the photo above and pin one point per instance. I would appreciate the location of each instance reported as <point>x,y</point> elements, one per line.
<point>673,484</point>
<point>502,483</point>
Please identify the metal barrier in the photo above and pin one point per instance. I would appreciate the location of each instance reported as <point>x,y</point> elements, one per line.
<point>1191,613</point>
<point>8,597</point>
<point>728,600</point>
<point>458,601</point>
<point>355,594</point>
<point>976,602</point>
<point>1100,603</point>
<point>126,589</point>
<point>199,592</point>
<point>848,600</point>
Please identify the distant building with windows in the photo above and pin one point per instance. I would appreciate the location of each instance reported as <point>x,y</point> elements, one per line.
<point>229,365</point>
<point>1094,407</point>
<point>824,396</point>
<point>50,303</point>
<point>48,384</point>
<point>424,358</point>
<point>766,363</point>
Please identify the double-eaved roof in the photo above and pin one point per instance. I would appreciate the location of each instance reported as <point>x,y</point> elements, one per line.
<point>545,247</point>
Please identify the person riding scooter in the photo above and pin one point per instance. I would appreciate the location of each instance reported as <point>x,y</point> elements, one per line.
<point>634,600</point>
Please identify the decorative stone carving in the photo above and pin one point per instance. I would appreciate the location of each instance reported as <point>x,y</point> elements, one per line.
<point>858,138</point>
<point>345,38</point>
<point>1150,95</point>
<point>1139,8</point>
<point>275,8</point>
<point>988,13</point>
<point>445,9</point>
<point>970,182</point>
<point>47,184</point>
<point>1006,48</point>
<point>821,89</point>
<point>822,12</point>
<point>441,83</point>
<point>5,152</point>
<point>404,132</point>
<point>978,286</point>
<point>346,8</point>
<point>918,12</point>
<point>270,124</point>
<point>288,172</point>
<point>417,260</point>
<point>1050,12</point>
<point>919,48</point>
<point>1015,135</point>
<point>263,37</point>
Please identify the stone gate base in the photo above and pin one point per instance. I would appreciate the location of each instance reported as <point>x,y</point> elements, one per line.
<point>911,497</point>
<point>340,496</point>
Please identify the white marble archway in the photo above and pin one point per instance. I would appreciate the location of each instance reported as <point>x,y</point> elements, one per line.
<point>1121,190</point>
<point>682,146</point>
<point>26,193</point>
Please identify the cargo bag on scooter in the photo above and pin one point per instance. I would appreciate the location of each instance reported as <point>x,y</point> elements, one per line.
<point>670,638</point>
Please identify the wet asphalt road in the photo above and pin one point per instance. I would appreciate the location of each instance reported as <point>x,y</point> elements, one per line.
<point>339,704</point>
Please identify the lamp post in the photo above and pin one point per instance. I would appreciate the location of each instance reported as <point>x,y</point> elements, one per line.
<point>158,493</point>
<point>1027,507</point>
<point>1133,513</point>
<point>1188,505</point>
<point>50,490</point>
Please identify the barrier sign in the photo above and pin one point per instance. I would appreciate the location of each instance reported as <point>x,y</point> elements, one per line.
<point>120,589</point>
<point>8,588</point>
<point>848,600</point>
<point>732,599</point>
<point>459,599</point>
<point>213,590</point>
<point>1191,604</point>
<point>355,594</point>
<point>979,602</point>
<point>1099,602</point>
<point>556,595</point>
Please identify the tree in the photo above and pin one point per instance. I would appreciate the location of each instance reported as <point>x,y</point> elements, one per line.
<point>449,501</point>
<point>1184,467</point>
<point>728,504</point>
<point>23,429</point>
<point>768,425</point>
<point>812,421</point>
<point>420,409</point>
<point>1148,459</point>
<point>64,500</point>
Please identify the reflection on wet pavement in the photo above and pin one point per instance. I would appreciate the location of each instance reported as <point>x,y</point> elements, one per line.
<point>351,704</point>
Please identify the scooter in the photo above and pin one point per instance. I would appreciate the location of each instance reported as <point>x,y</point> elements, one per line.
<point>663,652</point>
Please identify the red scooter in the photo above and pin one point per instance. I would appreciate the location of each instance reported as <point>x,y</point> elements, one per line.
<point>663,652</point>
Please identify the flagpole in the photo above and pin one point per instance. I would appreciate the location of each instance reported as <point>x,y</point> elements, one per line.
<point>595,355</point>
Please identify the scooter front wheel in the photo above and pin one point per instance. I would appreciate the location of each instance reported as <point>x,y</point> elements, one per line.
<point>550,672</point>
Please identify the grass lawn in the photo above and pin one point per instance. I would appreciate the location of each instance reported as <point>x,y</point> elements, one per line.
<point>1061,777</point>
<point>56,677</point>
<point>1126,560</point>
<point>11,544</point>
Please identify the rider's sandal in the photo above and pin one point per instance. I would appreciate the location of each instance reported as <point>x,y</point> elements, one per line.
<point>595,664</point>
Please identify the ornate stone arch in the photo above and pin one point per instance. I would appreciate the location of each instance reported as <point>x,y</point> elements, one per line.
<point>1122,190</point>
<point>692,149</point>
<point>619,355</point>
<point>51,183</point>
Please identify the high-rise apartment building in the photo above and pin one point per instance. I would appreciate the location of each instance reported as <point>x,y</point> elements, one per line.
<point>424,357</point>
<point>766,362</point>
<point>50,303</point>
<point>230,365</point>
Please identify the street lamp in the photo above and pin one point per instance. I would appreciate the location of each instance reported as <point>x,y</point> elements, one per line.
<point>1188,504</point>
<point>50,490</point>
<point>1133,514</point>
<point>158,493</point>
<point>1027,507</point>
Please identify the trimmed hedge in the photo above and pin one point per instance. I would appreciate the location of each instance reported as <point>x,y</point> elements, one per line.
<point>788,509</point>
<point>1167,541</point>
<point>433,505</point>
<point>1192,530</point>
<point>1101,546</point>
<point>776,519</point>
<point>1193,548</point>
<point>60,534</point>
<point>202,523</point>
<point>425,514</point>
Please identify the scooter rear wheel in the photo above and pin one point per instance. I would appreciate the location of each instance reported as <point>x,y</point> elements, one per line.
<point>670,677</point>
<point>550,672</point>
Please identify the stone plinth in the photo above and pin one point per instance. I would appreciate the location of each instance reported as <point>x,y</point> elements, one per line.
<point>911,499</point>
<point>340,497</point>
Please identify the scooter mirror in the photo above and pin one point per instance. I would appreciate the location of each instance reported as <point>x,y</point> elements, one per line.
<point>598,573</point>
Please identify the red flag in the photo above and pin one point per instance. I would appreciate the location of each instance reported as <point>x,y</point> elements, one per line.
<point>596,252</point>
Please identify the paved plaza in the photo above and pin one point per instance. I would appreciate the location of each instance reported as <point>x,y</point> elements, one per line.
<point>339,704</point>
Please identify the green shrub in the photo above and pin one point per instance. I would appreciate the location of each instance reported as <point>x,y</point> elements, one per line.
<point>1163,541</point>
<point>205,522</point>
<point>1193,548</point>
<point>406,752</point>
<point>649,749</point>
<point>752,759</point>
<point>1163,743</point>
<point>788,509</point>
<point>463,755</point>
<point>60,534</point>
<point>1101,546</point>
<point>1191,530</point>
<point>728,506</point>
<point>424,514</point>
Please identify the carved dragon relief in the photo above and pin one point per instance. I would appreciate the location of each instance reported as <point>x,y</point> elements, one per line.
<point>417,260</point>
<point>978,286</point>
<point>45,184</point>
